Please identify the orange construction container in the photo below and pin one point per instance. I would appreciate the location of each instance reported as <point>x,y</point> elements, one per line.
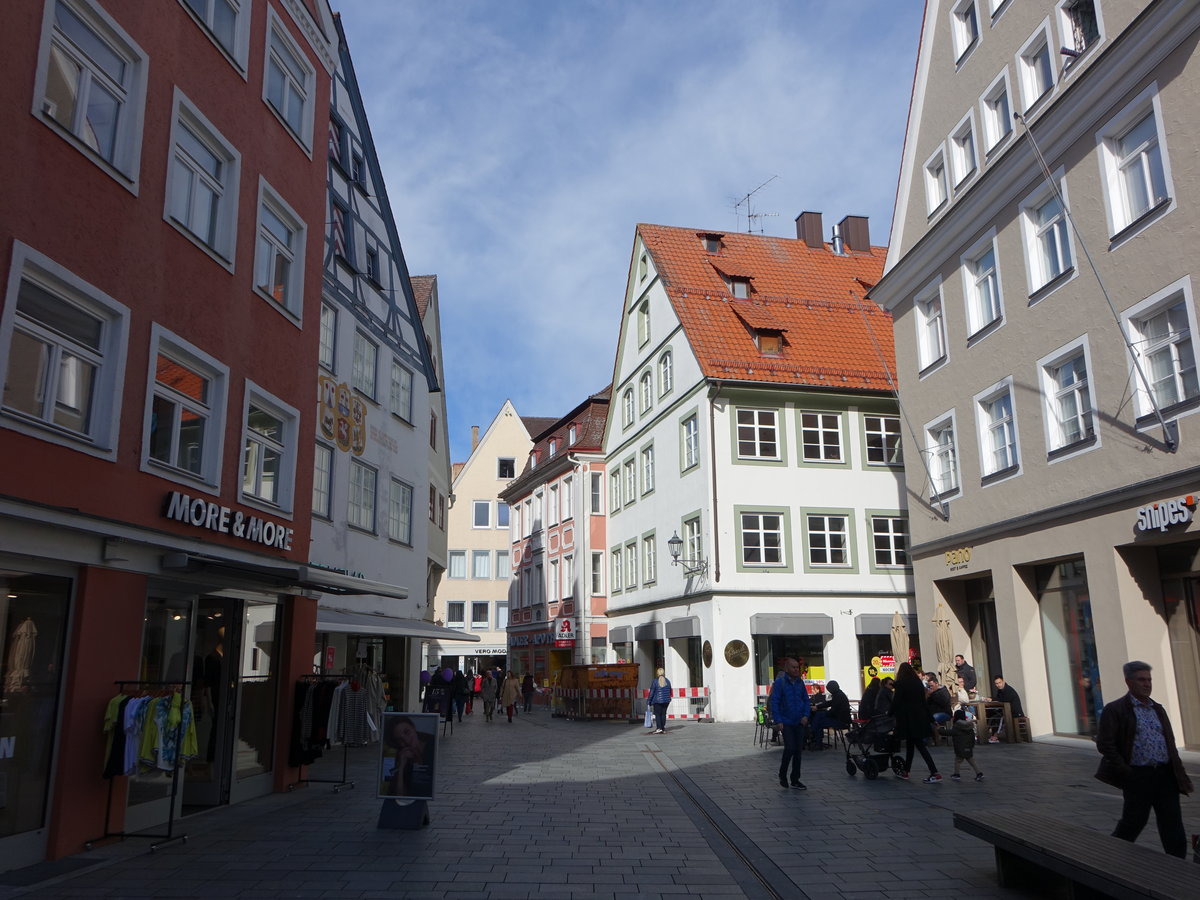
<point>599,691</point>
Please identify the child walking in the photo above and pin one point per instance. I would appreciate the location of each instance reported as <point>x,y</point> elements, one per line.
<point>962,733</point>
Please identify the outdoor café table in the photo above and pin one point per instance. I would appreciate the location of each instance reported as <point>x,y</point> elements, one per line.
<point>981,721</point>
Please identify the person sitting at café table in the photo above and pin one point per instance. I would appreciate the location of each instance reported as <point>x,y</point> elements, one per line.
<point>937,698</point>
<point>831,713</point>
<point>1005,693</point>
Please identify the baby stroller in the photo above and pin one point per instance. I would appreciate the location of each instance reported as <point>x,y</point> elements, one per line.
<point>871,747</point>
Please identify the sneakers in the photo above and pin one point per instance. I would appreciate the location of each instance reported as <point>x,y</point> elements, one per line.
<point>993,740</point>
<point>799,785</point>
<point>902,774</point>
<point>659,731</point>
<point>979,776</point>
<point>957,777</point>
<point>935,778</point>
<point>783,782</point>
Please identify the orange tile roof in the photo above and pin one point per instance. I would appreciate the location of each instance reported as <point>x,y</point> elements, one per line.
<point>423,292</point>
<point>833,337</point>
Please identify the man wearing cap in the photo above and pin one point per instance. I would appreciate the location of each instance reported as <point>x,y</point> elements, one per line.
<point>1140,757</point>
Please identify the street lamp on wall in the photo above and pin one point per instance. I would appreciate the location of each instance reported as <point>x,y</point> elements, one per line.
<point>690,566</point>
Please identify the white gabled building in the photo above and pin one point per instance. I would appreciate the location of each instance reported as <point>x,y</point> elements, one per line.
<point>751,416</point>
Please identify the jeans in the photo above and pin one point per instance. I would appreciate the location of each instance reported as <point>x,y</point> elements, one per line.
<point>793,746</point>
<point>660,716</point>
<point>529,702</point>
<point>919,746</point>
<point>1153,787</point>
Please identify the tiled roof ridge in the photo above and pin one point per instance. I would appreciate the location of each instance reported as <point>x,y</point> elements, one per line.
<point>742,235</point>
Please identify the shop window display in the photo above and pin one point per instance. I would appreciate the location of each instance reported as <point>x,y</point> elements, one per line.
<point>770,650</point>
<point>1072,666</point>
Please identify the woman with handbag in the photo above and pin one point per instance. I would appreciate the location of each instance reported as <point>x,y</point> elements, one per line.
<point>660,699</point>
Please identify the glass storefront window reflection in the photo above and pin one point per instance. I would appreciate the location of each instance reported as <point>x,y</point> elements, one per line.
<point>1072,667</point>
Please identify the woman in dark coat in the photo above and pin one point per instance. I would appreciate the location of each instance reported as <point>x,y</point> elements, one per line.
<point>866,706</point>
<point>913,721</point>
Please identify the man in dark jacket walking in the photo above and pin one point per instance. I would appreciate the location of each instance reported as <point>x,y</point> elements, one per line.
<point>790,709</point>
<point>1140,757</point>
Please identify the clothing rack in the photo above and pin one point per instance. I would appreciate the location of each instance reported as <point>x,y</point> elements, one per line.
<point>160,839</point>
<point>338,784</point>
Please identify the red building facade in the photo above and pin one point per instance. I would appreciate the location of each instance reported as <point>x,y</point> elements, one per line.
<point>160,238</point>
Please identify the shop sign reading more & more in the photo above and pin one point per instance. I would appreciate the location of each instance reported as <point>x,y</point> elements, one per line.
<point>1162,515</point>
<point>206,514</point>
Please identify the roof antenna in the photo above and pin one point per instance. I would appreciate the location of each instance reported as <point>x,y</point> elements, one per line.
<point>751,216</point>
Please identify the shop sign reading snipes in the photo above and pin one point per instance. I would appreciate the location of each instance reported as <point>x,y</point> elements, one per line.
<point>206,514</point>
<point>1162,515</point>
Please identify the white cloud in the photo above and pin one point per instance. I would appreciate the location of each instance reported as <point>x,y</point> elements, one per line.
<point>523,141</point>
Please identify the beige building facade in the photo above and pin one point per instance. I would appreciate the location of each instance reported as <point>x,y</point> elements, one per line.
<point>1041,275</point>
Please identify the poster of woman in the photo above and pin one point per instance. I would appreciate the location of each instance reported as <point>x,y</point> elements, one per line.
<point>408,754</point>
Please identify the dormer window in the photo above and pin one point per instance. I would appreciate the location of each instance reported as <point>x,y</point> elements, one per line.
<point>533,460</point>
<point>739,287</point>
<point>571,435</point>
<point>770,343</point>
<point>553,447</point>
<point>712,243</point>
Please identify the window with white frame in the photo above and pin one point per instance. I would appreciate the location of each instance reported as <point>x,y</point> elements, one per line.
<point>629,477</point>
<point>186,408</point>
<point>649,559</point>
<point>997,429</point>
<point>995,110</point>
<point>1035,66</point>
<point>269,449</point>
<point>480,614</point>
<point>757,434</point>
<point>964,27</point>
<point>328,336</point>
<point>64,343</point>
<point>693,545</point>
<point>614,577</point>
<point>363,368</point>
<point>91,85</point>
<point>361,511</point>
<point>762,539</point>
<point>279,253</point>
<point>481,564</point>
<point>646,391</point>
<point>202,182</point>
<point>342,226</point>
<point>501,616</point>
<point>643,322</point>
<point>882,435</point>
<point>936,188</point>
<point>1067,396</point>
<point>568,586</point>
<point>821,437</point>
<point>962,151</point>
<point>647,469</point>
<point>572,434</point>
<point>643,267</point>
<point>1134,163</point>
<point>614,490</point>
<point>551,448</point>
<point>373,270</point>
<point>931,326</point>
<point>889,541</point>
<point>400,508</point>
<point>627,407</point>
<point>506,467</point>
<point>290,80</point>
<point>481,516</point>
<point>455,613</point>
<point>631,565</point>
<point>552,505</point>
<point>690,438</point>
<point>555,583</point>
<point>981,285</point>
<point>943,456</point>
<point>503,570</point>
<point>568,499</point>
<point>400,394</point>
<point>501,514</point>
<point>828,539</point>
<point>597,573</point>
<point>1160,329</point>
<point>1047,236</point>
<point>226,22</point>
<point>1080,24</point>
<point>739,287</point>
<point>666,373</point>
<point>596,493</point>
<point>322,480</point>
<point>457,564</point>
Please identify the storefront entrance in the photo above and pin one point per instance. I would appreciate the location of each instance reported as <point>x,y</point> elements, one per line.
<point>1072,664</point>
<point>1179,567</point>
<point>985,636</point>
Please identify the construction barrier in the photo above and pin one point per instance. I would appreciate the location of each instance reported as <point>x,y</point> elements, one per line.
<point>698,701</point>
<point>598,692</point>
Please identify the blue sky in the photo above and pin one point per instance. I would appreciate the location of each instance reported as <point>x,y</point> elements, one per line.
<point>523,140</point>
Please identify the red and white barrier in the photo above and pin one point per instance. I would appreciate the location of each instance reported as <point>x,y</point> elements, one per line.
<point>698,695</point>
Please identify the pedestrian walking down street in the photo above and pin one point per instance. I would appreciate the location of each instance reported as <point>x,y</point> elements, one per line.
<point>461,692</point>
<point>510,693</point>
<point>790,709</point>
<point>962,734</point>
<point>528,688</point>
<point>1139,756</point>
<point>660,699</point>
<point>487,693</point>
<point>914,723</point>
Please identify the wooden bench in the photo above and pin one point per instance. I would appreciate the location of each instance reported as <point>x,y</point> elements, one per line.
<point>1056,858</point>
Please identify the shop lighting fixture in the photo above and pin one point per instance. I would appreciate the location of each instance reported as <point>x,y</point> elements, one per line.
<point>690,566</point>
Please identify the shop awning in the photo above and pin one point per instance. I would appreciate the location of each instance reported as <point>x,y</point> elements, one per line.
<point>791,623</point>
<point>622,634</point>
<point>344,621</point>
<point>683,628</point>
<point>327,582</point>
<point>881,623</point>
<point>649,631</point>
<point>279,576</point>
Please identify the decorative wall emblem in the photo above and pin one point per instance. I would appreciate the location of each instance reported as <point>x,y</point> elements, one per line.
<point>343,416</point>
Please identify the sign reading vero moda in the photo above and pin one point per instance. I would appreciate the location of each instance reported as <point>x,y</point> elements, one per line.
<point>1162,515</point>
<point>206,514</point>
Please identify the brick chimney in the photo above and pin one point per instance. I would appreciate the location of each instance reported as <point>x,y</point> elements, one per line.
<point>808,229</point>
<point>474,437</point>
<point>856,235</point>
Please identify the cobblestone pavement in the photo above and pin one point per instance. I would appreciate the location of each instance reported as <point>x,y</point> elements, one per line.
<point>550,808</point>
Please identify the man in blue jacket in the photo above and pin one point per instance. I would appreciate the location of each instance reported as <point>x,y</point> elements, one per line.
<point>790,709</point>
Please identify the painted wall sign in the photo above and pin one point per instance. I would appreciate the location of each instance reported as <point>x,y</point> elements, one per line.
<point>1162,515</point>
<point>958,559</point>
<point>206,514</point>
<point>342,415</point>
